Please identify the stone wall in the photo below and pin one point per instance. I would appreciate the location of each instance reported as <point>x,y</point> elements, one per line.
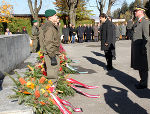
<point>14,49</point>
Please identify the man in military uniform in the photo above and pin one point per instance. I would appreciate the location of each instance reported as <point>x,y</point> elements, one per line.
<point>35,38</point>
<point>140,47</point>
<point>50,43</point>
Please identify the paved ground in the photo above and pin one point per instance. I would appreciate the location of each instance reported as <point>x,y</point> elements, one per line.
<point>117,91</point>
<point>116,88</point>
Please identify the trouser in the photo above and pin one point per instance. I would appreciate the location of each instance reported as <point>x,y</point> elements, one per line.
<point>144,77</point>
<point>108,56</point>
<point>73,39</point>
<point>114,51</point>
<point>96,38</point>
<point>80,39</point>
<point>35,45</point>
<point>52,71</point>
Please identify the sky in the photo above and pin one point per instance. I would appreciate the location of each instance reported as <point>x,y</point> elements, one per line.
<point>21,6</point>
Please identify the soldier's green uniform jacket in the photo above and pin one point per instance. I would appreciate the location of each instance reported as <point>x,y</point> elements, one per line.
<point>140,45</point>
<point>35,32</point>
<point>51,41</point>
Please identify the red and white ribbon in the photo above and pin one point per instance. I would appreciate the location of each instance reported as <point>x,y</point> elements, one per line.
<point>61,107</point>
<point>86,94</point>
<point>69,104</point>
<point>84,85</point>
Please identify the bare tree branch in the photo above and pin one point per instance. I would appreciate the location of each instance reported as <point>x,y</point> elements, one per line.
<point>97,5</point>
<point>31,7</point>
<point>35,4</point>
<point>38,9</point>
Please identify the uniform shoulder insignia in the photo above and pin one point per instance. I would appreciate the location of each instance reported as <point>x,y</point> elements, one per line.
<point>140,20</point>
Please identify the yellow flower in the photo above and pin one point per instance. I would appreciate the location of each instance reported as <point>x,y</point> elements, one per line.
<point>30,85</point>
<point>50,82</point>
<point>48,86</point>
<point>42,90</point>
<point>48,91</point>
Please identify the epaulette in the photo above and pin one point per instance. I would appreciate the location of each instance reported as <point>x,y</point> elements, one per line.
<point>140,20</point>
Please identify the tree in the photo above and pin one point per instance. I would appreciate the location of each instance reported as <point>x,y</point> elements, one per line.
<point>116,13</point>
<point>100,5</point>
<point>34,10</point>
<point>110,4</point>
<point>5,11</point>
<point>65,12</point>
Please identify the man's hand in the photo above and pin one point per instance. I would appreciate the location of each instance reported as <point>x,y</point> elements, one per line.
<point>106,44</point>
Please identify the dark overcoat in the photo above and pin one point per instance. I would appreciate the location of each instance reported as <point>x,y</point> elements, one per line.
<point>107,35</point>
<point>80,31</point>
<point>129,29</point>
<point>140,45</point>
<point>65,32</point>
<point>88,32</point>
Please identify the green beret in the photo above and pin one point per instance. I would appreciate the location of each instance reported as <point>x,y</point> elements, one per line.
<point>50,12</point>
<point>34,21</point>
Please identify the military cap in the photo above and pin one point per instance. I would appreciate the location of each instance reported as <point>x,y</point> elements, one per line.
<point>50,12</point>
<point>34,21</point>
<point>139,8</point>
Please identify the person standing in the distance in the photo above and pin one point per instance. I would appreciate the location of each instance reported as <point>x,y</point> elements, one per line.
<point>51,44</point>
<point>123,31</point>
<point>88,32</point>
<point>24,31</point>
<point>8,32</point>
<point>35,38</point>
<point>129,29</point>
<point>107,39</point>
<point>92,33</point>
<point>65,33</point>
<point>140,47</point>
<point>70,27</point>
<point>117,31</point>
<point>95,29</point>
<point>84,28</point>
<point>73,33</point>
<point>80,32</point>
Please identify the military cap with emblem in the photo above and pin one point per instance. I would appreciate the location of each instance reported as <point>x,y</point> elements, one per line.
<point>139,8</point>
<point>50,12</point>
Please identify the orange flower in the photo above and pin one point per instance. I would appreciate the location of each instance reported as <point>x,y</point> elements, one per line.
<point>42,103</point>
<point>30,85</point>
<point>50,82</point>
<point>37,94</point>
<point>48,86</point>
<point>42,80</point>
<point>22,81</point>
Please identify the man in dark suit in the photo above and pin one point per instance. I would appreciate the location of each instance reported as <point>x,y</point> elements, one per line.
<point>80,32</point>
<point>140,47</point>
<point>107,32</point>
<point>88,32</point>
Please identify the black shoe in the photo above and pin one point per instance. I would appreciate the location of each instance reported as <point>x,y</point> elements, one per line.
<point>109,68</point>
<point>139,86</point>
